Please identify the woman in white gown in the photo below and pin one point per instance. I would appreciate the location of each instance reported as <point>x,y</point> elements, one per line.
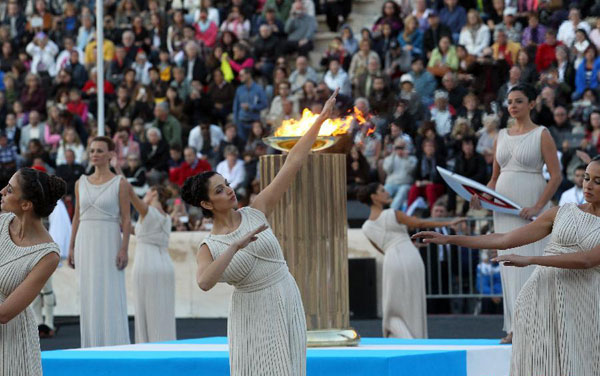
<point>557,313</point>
<point>520,153</point>
<point>404,303</point>
<point>266,327</point>
<point>153,271</point>
<point>28,257</point>
<point>98,251</point>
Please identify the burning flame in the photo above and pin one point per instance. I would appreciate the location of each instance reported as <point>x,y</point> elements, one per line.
<point>370,131</point>
<point>331,127</point>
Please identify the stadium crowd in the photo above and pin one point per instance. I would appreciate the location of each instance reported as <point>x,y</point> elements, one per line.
<point>194,85</point>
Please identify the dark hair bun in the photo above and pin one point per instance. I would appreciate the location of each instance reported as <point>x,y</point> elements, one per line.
<point>364,193</point>
<point>527,89</point>
<point>42,190</point>
<point>195,190</point>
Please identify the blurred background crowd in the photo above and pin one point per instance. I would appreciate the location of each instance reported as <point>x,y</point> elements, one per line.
<point>194,85</point>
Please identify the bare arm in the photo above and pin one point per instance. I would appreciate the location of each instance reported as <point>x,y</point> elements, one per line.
<point>418,223</point>
<point>266,200</point>
<point>124,207</point>
<point>576,260</point>
<point>137,202</point>
<point>74,228</point>
<point>27,291</point>
<point>530,233</point>
<point>495,169</point>
<point>209,270</point>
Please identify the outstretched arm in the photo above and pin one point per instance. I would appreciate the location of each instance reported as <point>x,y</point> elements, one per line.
<point>527,234</point>
<point>270,196</point>
<point>418,223</point>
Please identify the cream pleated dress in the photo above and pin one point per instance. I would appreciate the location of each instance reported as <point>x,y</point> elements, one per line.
<point>266,327</point>
<point>557,313</point>
<point>404,302</point>
<point>154,279</point>
<point>103,320</point>
<point>19,338</point>
<point>520,159</point>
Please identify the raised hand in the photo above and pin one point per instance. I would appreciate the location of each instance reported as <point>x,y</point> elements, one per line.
<point>330,104</point>
<point>431,237</point>
<point>250,237</point>
<point>513,260</point>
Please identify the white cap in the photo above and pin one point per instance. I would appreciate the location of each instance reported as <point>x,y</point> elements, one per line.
<point>510,11</point>
<point>406,77</point>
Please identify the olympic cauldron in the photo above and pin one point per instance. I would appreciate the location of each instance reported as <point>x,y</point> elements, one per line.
<point>311,225</point>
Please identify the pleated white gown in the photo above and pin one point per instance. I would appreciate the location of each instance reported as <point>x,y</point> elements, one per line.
<point>520,159</point>
<point>103,319</point>
<point>154,279</point>
<point>266,327</point>
<point>404,300</point>
<point>557,313</point>
<point>19,338</point>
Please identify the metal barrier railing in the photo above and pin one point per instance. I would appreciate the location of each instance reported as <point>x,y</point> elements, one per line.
<point>458,272</point>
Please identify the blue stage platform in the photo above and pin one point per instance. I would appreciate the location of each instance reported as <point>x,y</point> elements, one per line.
<point>210,357</point>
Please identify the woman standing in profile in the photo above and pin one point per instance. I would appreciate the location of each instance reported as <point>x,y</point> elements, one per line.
<point>153,271</point>
<point>266,327</point>
<point>98,251</point>
<point>520,153</point>
<point>404,303</point>
<point>28,257</point>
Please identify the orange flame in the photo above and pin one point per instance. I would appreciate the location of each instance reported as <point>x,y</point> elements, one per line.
<point>331,127</point>
<point>370,131</point>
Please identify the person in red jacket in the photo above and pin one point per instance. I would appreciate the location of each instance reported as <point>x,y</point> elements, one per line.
<point>192,166</point>
<point>546,52</point>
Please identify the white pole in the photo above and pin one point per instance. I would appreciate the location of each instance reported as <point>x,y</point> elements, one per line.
<point>100,64</point>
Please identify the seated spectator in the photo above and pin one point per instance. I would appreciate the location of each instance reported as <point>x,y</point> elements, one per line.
<point>456,92</point>
<point>236,23</point>
<point>336,51</point>
<point>399,167</point>
<point>8,158</point>
<point>206,138</point>
<point>168,125</point>
<point>567,29</point>
<point>175,156</point>
<point>460,130</point>
<point>546,52</point>
<point>276,109</point>
<point>511,27</point>
<point>364,83</point>
<point>562,127</point>
<point>454,16</point>
<point>389,49</point>
<point>565,68</point>
<point>231,138</point>
<point>232,169</point>
<point>423,81</point>
<point>580,46</point>
<point>125,145</point>
<point>43,52</point>
<point>336,78</point>
<point>381,99</point>
<point>411,38</point>
<point>190,167</point>
<point>534,33</point>
<point>302,74</point>
<point>595,34</point>
<point>70,171</point>
<point>586,75</point>
<point>35,150</point>
<point>504,48</point>
<point>76,105</point>
<point>469,164</point>
<point>135,173</point>
<point>70,141</point>
<point>414,102</point>
<point>271,20</point>
<point>308,95</point>
<point>369,144</point>
<point>265,51</point>
<point>33,95</point>
<point>155,156</point>
<point>443,58</point>
<point>488,134</point>
<point>141,66</point>
<point>471,112</point>
<point>428,182</point>
<point>529,72</point>
<point>349,42</point>
<point>300,29</point>
<point>591,142</point>
<point>206,29</point>
<point>442,113</point>
<point>357,172</point>
<point>249,101</point>
<point>575,193</point>
<point>35,129</point>
<point>391,15</point>
<point>514,78</point>
<point>359,63</point>
<point>475,35</point>
<point>435,32</point>
<point>240,59</point>
<point>221,94</point>
<point>421,11</point>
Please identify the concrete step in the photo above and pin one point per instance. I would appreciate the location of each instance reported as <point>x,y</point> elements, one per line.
<point>367,7</point>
